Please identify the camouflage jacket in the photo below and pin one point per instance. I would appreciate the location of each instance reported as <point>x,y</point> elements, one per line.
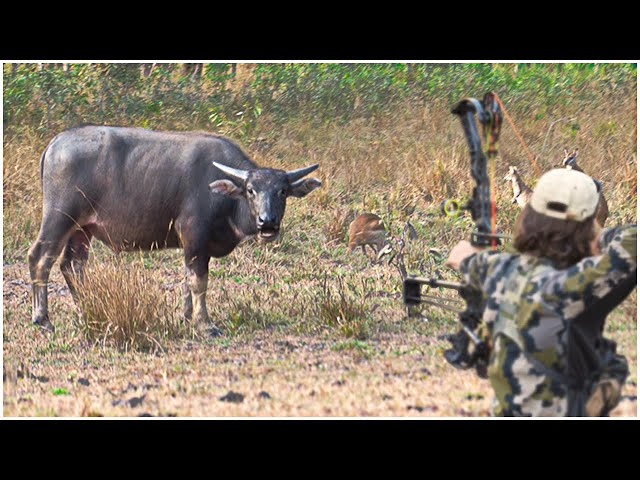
<point>528,305</point>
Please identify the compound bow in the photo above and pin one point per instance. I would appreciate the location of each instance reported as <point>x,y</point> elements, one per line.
<point>482,206</point>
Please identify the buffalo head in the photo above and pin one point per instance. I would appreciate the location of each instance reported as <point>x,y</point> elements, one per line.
<point>266,191</point>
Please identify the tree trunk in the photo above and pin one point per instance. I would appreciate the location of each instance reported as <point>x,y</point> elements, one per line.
<point>411,73</point>
<point>146,69</point>
<point>194,70</point>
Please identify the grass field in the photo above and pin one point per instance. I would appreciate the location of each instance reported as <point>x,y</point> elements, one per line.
<point>309,329</point>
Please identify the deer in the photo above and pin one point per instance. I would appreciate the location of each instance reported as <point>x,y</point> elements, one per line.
<point>521,192</point>
<point>367,229</point>
<point>569,161</point>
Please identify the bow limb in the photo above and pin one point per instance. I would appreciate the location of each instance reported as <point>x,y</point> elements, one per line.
<point>483,212</point>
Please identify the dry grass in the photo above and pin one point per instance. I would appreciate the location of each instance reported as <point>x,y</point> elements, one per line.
<point>336,228</point>
<point>322,331</point>
<point>344,307</point>
<point>21,191</point>
<point>125,305</point>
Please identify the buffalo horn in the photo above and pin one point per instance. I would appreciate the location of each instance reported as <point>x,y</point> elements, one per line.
<point>233,172</point>
<point>294,175</point>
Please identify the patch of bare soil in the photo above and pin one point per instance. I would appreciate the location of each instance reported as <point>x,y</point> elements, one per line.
<point>265,373</point>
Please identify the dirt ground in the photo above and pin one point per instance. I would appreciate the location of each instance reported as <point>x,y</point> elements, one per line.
<point>266,373</point>
<point>309,328</point>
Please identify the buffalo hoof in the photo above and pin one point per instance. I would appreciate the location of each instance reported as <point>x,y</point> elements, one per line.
<point>44,324</point>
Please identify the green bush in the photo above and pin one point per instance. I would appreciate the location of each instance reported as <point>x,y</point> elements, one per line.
<point>51,98</point>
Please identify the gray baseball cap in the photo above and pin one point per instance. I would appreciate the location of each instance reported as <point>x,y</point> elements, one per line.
<point>566,194</point>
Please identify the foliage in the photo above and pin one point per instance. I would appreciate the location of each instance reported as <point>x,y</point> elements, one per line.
<point>52,98</point>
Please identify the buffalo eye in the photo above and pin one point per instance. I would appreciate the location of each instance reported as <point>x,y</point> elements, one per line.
<point>283,192</point>
<point>250,191</point>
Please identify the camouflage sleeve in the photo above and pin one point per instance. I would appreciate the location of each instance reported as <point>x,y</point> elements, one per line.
<point>478,270</point>
<point>627,235</point>
<point>593,277</point>
<point>476,267</point>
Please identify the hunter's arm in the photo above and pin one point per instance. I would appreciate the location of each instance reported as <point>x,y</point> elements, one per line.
<point>593,277</point>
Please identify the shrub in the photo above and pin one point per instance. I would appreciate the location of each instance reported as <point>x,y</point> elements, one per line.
<point>123,305</point>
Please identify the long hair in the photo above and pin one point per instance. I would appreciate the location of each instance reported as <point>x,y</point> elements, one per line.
<point>565,242</point>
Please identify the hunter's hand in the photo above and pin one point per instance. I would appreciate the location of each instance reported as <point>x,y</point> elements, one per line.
<point>459,252</point>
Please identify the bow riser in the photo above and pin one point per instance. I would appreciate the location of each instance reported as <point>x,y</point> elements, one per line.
<point>480,203</point>
<point>482,208</point>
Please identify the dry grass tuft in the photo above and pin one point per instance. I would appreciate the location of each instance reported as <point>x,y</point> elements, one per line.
<point>343,307</point>
<point>125,306</point>
<point>335,229</point>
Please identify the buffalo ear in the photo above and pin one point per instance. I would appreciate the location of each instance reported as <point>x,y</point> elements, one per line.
<point>303,187</point>
<point>226,187</point>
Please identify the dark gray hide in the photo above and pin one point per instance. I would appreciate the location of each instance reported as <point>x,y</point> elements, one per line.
<point>136,189</point>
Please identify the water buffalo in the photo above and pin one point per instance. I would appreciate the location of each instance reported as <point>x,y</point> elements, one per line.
<point>137,189</point>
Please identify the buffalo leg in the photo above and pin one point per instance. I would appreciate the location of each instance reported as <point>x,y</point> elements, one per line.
<point>42,255</point>
<point>187,302</point>
<point>196,262</point>
<point>74,258</point>
<point>197,271</point>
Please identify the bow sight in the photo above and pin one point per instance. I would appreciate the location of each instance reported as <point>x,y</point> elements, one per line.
<point>468,349</point>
